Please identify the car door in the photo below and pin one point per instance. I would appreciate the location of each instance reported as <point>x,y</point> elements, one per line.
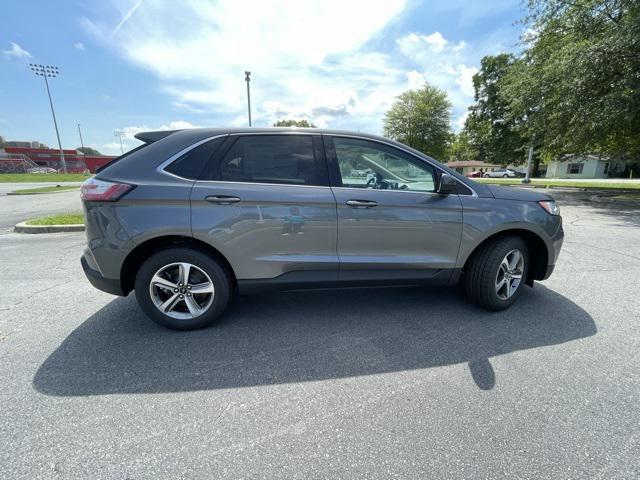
<point>391,222</point>
<point>264,202</point>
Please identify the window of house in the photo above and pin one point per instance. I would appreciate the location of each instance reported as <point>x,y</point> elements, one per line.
<point>574,168</point>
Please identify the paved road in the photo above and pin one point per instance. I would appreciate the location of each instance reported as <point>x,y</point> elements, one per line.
<point>385,383</point>
<point>14,209</point>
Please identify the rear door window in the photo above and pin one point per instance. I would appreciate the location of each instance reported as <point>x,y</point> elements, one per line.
<point>279,159</point>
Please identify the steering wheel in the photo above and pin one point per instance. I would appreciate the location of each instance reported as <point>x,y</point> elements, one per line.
<point>373,181</point>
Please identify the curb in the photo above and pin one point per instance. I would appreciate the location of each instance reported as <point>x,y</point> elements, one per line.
<point>22,227</point>
<point>43,193</point>
<point>613,199</point>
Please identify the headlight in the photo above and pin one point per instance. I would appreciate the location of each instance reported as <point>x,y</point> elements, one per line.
<point>550,206</point>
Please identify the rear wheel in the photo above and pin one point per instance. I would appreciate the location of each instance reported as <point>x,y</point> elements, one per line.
<point>182,288</point>
<point>486,175</point>
<point>497,272</point>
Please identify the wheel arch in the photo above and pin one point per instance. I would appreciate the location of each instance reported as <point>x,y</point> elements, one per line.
<point>538,251</point>
<point>144,250</point>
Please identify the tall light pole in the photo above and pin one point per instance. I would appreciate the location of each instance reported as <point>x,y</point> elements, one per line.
<point>120,134</point>
<point>247,78</point>
<point>81,142</point>
<point>48,71</point>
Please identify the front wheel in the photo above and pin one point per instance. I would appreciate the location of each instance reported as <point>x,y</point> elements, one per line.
<point>497,272</point>
<point>182,288</point>
<point>505,176</point>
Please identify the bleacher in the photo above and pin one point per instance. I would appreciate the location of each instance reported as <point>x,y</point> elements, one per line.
<point>16,163</point>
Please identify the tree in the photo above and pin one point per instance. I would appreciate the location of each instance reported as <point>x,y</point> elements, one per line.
<point>577,85</point>
<point>294,123</point>
<point>493,131</point>
<point>88,151</point>
<point>460,148</point>
<point>421,119</point>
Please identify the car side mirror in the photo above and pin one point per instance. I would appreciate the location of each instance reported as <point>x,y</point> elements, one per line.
<point>448,184</point>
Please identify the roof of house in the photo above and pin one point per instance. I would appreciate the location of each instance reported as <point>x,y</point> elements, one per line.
<point>470,163</point>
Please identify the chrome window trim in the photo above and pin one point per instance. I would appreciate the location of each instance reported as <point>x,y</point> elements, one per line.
<point>227,182</point>
<point>408,152</point>
<point>392,191</point>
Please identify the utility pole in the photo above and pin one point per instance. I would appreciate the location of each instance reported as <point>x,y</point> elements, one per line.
<point>81,142</point>
<point>527,176</point>
<point>48,71</point>
<point>120,134</point>
<point>247,78</point>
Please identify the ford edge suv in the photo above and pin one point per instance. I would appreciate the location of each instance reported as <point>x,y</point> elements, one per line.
<point>192,216</point>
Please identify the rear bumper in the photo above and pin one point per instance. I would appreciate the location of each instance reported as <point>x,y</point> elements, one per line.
<point>96,279</point>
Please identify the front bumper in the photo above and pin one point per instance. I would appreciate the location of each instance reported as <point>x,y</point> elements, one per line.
<point>556,245</point>
<point>96,279</point>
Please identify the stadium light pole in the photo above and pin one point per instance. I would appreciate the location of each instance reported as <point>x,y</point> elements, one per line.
<point>120,134</point>
<point>247,78</point>
<point>48,71</point>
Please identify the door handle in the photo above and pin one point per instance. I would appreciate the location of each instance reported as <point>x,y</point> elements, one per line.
<point>362,203</point>
<point>222,199</point>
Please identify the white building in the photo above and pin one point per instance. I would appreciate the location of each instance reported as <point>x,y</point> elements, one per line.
<point>581,166</point>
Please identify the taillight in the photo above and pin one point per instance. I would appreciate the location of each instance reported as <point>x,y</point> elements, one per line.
<point>95,190</point>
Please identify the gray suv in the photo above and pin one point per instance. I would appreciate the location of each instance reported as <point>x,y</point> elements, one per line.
<point>192,216</point>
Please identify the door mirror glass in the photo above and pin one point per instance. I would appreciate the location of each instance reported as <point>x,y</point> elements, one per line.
<point>447,184</point>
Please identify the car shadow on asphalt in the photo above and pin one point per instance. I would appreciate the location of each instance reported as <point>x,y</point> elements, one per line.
<point>305,336</point>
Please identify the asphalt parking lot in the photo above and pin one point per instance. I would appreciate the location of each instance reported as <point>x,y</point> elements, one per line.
<point>362,383</point>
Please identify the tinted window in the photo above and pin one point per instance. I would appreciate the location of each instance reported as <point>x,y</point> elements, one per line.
<point>193,162</point>
<point>285,159</point>
<point>365,164</point>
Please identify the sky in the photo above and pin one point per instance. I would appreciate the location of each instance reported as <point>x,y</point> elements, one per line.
<point>136,65</point>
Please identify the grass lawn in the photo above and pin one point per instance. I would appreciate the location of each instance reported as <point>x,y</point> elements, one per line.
<point>51,189</point>
<point>59,219</point>
<point>42,177</point>
<point>546,182</point>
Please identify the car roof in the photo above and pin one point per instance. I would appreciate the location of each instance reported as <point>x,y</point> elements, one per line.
<point>155,135</point>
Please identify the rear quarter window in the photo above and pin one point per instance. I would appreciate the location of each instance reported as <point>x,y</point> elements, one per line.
<point>191,164</point>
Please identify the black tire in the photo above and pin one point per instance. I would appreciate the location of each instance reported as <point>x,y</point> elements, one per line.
<point>482,272</point>
<point>216,272</point>
<point>505,176</point>
<point>486,175</point>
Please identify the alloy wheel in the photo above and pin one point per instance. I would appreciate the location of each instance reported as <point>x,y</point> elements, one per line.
<point>181,290</point>
<point>509,274</point>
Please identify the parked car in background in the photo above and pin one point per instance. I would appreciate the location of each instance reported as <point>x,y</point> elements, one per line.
<point>42,170</point>
<point>476,174</point>
<point>500,173</point>
<point>194,215</point>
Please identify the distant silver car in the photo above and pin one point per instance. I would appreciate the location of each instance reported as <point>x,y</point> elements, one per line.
<point>501,173</point>
<point>194,215</point>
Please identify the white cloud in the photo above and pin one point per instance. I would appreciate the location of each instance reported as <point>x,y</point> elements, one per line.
<point>445,64</point>
<point>310,70</point>
<point>436,41</point>
<point>79,46</point>
<point>415,80</point>
<point>113,148</point>
<point>16,51</point>
<point>461,119</point>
